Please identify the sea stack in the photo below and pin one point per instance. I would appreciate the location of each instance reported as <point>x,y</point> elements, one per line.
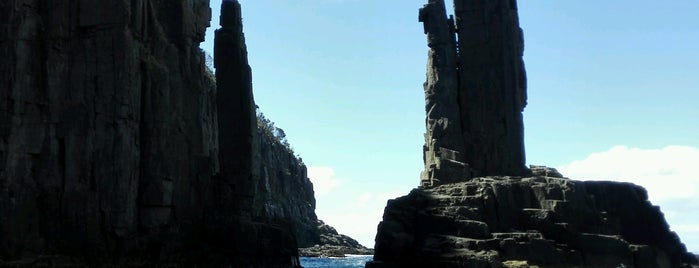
<point>236,107</point>
<point>478,205</point>
<point>475,91</point>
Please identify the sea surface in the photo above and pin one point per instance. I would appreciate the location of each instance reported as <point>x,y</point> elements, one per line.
<point>351,261</point>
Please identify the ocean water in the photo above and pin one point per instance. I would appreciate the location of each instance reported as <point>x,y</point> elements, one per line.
<point>351,261</point>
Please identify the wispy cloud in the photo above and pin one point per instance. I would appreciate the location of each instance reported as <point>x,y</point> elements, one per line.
<point>360,221</point>
<point>670,175</point>
<point>323,179</point>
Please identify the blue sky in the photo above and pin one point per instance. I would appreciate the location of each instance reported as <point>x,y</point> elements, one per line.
<point>613,94</point>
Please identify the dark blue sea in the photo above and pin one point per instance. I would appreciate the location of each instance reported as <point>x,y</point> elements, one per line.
<point>351,261</point>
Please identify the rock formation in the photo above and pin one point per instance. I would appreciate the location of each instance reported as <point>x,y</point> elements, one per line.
<point>332,244</point>
<point>492,86</point>
<point>475,91</point>
<point>538,221</point>
<point>444,145</point>
<point>495,212</point>
<point>237,122</point>
<point>117,148</point>
<point>262,236</point>
<point>284,193</point>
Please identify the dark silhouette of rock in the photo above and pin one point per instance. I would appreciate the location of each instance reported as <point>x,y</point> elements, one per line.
<point>475,91</point>
<point>283,190</point>
<point>264,208</point>
<point>332,244</point>
<point>492,86</point>
<point>117,148</point>
<point>498,213</point>
<point>236,118</point>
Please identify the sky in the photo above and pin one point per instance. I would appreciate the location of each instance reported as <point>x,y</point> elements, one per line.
<point>613,95</point>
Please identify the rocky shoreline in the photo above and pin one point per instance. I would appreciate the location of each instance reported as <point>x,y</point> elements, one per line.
<point>326,251</point>
<point>333,244</point>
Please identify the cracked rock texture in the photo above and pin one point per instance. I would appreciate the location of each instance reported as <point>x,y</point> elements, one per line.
<point>475,91</point>
<point>538,221</point>
<point>479,206</point>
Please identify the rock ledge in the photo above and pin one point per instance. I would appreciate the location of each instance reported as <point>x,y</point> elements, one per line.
<point>534,221</point>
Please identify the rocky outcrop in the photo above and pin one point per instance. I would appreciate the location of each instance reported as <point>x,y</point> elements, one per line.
<point>475,91</point>
<point>117,148</point>
<point>443,152</point>
<point>495,212</point>
<point>538,221</point>
<point>332,244</point>
<point>283,191</point>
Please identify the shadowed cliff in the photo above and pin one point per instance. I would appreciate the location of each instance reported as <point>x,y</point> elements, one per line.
<point>118,147</point>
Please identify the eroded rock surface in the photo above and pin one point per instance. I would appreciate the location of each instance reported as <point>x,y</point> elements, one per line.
<point>475,91</point>
<point>539,221</point>
<point>480,207</point>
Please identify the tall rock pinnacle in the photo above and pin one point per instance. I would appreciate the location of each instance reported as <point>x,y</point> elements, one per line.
<point>502,214</point>
<point>444,145</point>
<point>236,107</point>
<point>475,91</point>
<point>493,86</point>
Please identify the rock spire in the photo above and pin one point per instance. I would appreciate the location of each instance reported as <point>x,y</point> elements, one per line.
<point>497,213</point>
<point>475,91</point>
<point>236,106</point>
<point>444,145</point>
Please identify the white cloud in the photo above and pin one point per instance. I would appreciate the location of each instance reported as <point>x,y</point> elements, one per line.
<point>667,173</point>
<point>689,228</point>
<point>390,195</point>
<point>360,221</point>
<point>670,175</point>
<point>364,198</point>
<point>323,179</point>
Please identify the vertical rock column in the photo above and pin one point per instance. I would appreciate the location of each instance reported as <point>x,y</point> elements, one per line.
<point>492,89</point>
<point>236,109</point>
<point>247,237</point>
<point>443,147</point>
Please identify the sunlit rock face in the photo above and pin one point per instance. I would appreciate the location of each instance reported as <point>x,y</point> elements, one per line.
<point>478,206</point>
<point>475,91</point>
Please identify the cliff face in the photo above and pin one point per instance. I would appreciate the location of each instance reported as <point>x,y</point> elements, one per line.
<point>105,131</point>
<point>284,191</point>
<point>109,139</point>
<point>475,91</point>
<point>480,207</point>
